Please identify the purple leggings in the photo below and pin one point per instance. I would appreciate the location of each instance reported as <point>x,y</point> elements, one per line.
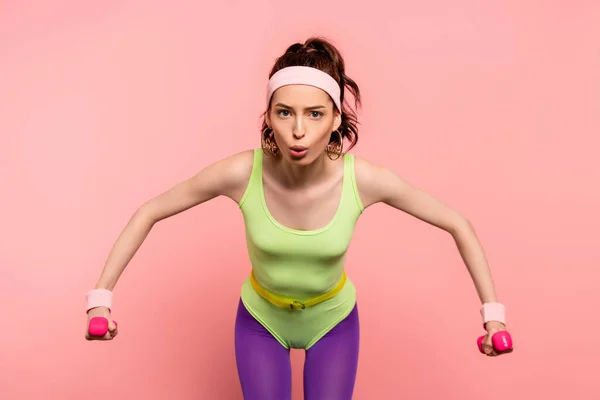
<point>264,364</point>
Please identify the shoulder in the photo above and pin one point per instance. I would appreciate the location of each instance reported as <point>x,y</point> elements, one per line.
<point>374,182</point>
<point>238,166</point>
<point>229,175</point>
<point>365,169</point>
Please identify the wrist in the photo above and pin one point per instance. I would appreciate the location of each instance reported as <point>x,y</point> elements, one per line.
<point>493,311</point>
<point>99,298</point>
<point>105,283</point>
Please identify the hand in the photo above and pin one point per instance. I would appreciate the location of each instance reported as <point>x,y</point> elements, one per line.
<point>112,326</point>
<point>491,328</point>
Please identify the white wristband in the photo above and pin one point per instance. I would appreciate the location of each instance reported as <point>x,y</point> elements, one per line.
<point>99,298</point>
<point>493,312</point>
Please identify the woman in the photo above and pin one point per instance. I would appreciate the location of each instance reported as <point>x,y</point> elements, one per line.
<point>300,195</point>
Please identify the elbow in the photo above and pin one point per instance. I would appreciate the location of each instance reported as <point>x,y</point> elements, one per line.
<point>461,226</point>
<point>145,217</point>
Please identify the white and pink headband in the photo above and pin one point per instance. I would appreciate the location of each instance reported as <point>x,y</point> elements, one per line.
<point>299,75</point>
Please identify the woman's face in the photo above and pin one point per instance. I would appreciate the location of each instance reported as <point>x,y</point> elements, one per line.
<point>302,118</point>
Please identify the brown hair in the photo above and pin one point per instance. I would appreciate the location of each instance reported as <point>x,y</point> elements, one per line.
<point>317,52</point>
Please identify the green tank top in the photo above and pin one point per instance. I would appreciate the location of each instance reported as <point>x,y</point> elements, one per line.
<point>298,263</point>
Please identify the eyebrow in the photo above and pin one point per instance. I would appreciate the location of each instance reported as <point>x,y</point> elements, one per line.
<point>306,108</point>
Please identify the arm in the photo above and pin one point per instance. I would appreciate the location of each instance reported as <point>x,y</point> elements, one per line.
<point>377,184</point>
<point>227,177</point>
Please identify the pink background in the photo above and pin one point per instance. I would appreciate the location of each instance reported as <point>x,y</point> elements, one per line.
<point>491,106</point>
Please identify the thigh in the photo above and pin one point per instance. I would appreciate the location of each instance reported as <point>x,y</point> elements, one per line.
<point>331,363</point>
<point>263,364</point>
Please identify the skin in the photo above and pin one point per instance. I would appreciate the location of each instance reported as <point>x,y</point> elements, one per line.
<point>300,193</point>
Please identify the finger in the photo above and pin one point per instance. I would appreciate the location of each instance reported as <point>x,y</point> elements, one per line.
<point>89,336</point>
<point>106,336</point>
<point>94,337</point>
<point>488,347</point>
<point>112,328</point>
<point>499,353</point>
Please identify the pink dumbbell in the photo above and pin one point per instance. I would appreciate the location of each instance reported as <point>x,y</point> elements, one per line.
<point>501,341</point>
<point>98,326</point>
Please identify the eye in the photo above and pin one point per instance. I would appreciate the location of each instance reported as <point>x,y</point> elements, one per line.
<point>282,111</point>
<point>316,114</point>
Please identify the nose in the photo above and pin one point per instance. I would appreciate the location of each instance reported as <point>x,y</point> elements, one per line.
<point>298,131</point>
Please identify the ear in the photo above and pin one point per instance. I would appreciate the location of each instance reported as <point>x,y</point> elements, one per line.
<point>337,121</point>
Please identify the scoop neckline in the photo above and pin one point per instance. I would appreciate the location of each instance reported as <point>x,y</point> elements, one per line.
<point>301,231</point>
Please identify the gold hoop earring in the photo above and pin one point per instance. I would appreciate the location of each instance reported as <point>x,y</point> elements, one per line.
<point>267,142</point>
<point>338,147</point>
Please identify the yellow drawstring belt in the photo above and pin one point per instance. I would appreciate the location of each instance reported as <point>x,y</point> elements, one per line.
<point>295,304</point>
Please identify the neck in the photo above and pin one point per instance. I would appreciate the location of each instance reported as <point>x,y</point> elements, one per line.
<point>292,174</point>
